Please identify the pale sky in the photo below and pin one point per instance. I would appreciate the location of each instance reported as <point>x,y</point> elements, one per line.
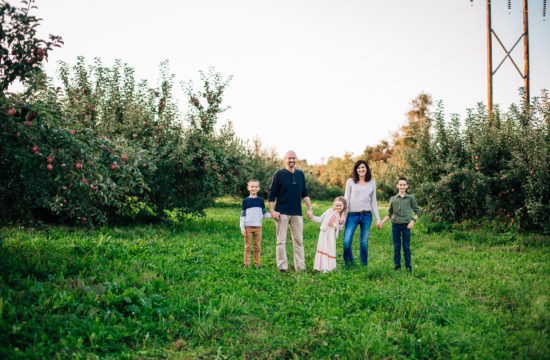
<point>322,77</point>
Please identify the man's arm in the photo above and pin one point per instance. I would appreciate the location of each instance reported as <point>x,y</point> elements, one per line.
<point>274,214</point>
<point>307,200</point>
<point>271,195</point>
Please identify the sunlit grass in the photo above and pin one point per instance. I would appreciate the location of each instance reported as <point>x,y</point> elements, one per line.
<point>181,291</point>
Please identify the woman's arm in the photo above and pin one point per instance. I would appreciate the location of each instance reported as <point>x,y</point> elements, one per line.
<point>347,193</point>
<point>374,203</point>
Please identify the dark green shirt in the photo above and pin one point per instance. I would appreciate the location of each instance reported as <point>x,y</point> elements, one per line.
<point>401,208</point>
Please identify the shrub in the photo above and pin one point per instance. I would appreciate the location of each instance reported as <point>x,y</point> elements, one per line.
<point>490,171</point>
<point>105,147</point>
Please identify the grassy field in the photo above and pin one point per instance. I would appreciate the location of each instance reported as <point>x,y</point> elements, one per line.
<point>181,292</point>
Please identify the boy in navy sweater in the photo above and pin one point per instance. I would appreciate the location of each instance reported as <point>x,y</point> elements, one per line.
<point>252,214</point>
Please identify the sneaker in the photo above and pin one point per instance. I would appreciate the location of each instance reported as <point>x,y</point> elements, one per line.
<point>397,268</point>
<point>282,271</point>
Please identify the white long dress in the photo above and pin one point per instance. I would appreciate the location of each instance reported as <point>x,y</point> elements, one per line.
<point>325,258</point>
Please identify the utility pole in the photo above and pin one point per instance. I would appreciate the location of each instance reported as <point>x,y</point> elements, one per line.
<point>490,72</point>
<point>489,62</point>
<point>526,51</point>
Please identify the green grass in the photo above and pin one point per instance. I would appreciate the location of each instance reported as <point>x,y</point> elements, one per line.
<point>181,292</point>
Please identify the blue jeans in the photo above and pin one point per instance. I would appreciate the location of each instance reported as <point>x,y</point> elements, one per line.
<point>363,220</point>
<point>398,231</point>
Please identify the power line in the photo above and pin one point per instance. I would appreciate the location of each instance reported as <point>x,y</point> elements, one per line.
<point>407,57</point>
<point>397,42</point>
<point>455,57</point>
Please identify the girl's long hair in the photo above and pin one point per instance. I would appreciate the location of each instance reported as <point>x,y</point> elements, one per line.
<point>343,201</point>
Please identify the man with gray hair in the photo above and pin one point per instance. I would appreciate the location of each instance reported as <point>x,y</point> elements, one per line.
<point>289,188</point>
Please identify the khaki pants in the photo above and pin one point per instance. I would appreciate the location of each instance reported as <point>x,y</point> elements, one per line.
<point>253,235</point>
<point>296,230</point>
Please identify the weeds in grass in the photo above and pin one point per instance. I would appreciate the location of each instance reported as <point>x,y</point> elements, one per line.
<point>180,291</point>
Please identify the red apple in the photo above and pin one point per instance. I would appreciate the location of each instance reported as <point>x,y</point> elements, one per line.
<point>49,167</point>
<point>78,166</point>
<point>34,149</point>
<point>64,188</point>
<point>94,188</point>
<point>29,123</point>
<point>73,132</point>
<point>124,158</point>
<point>50,159</point>
<point>86,181</point>
<point>11,111</point>
<point>134,136</point>
<point>113,166</point>
<point>18,134</point>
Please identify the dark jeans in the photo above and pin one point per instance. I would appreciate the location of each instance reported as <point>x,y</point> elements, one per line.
<point>364,221</point>
<point>398,231</point>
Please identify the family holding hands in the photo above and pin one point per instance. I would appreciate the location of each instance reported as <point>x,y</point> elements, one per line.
<point>356,208</point>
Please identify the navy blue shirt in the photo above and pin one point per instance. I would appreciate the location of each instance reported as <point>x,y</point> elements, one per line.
<point>289,189</point>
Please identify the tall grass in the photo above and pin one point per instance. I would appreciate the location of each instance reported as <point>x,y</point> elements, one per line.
<point>180,291</point>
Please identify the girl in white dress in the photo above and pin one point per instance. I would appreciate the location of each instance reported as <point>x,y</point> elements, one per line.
<point>332,221</point>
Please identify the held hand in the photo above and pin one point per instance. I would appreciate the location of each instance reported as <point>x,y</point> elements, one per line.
<point>275,215</point>
<point>410,225</point>
<point>379,224</point>
<point>243,232</point>
<point>342,220</point>
<point>310,214</point>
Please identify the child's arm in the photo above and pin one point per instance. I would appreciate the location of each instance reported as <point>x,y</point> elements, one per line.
<point>319,219</point>
<point>387,217</point>
<point>267,214</point>
<point>241,220</point>
<point>417,213</point>
<point>341,222</point>
<point>241,223</point>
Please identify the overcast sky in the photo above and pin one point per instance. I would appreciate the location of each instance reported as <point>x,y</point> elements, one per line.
<point>322,77</point>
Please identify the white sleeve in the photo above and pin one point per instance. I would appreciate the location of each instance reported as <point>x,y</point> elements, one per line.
<point>347,193</point>
<point>241,222</point>
<point>320,219</point>
<point>374,204</point>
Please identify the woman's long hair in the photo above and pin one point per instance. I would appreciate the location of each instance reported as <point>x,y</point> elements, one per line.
<point>355,176</point>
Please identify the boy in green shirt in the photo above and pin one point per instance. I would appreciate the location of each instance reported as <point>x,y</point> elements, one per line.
<point>401,207</point>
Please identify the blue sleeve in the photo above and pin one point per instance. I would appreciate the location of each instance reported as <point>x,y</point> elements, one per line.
<point>273,188</point>
<point>304,189</point>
